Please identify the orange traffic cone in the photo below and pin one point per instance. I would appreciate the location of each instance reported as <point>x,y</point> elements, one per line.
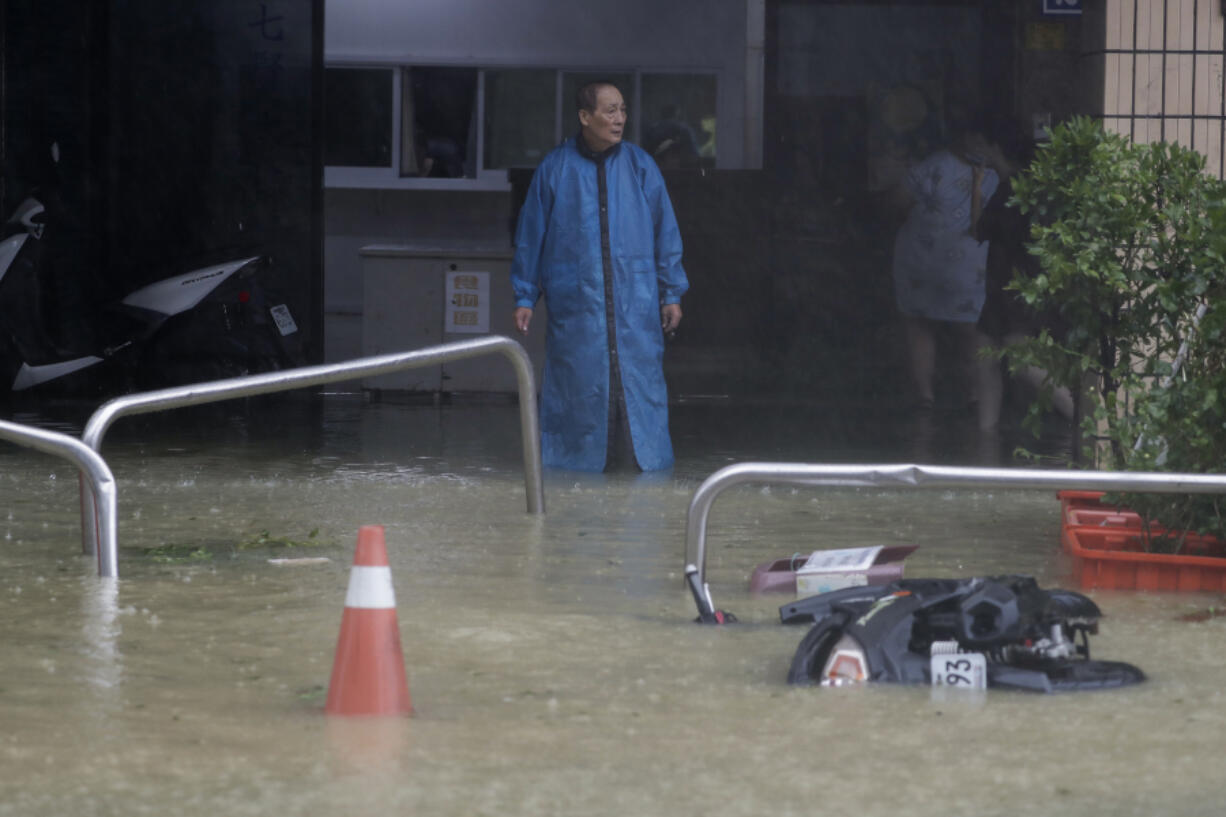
<point>368,672</point>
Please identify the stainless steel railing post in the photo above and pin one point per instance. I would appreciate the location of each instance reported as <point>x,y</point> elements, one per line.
<point>270,382</point>
<point>94,471</point>
<point>908,476</point>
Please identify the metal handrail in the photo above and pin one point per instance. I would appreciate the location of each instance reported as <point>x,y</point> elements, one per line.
<point>94,470</point>
<point>908,476</point>
<point>270,382</point>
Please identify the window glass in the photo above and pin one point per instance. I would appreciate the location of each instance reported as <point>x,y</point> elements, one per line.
<point>678,119</point>
<point>520,116</point>
<point>438,116</point>
<point>358,124</point>
<point>572,81</point>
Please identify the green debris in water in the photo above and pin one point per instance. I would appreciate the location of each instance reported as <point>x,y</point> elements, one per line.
<point>1204,614</point>
<point>313,694</point>
<point>265,540</point>
<point>178,554</point>
<point>185,554</point>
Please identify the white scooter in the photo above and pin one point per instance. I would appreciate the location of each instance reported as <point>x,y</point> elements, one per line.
<point>200,325</point>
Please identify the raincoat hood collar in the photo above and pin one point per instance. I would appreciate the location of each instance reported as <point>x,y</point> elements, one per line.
<point>587,153</point>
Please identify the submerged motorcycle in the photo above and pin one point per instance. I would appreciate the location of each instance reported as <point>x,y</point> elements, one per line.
<point>208,323</point>
<point>992,632</point>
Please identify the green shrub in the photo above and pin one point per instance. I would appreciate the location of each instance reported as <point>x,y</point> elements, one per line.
<point>1130,240</point>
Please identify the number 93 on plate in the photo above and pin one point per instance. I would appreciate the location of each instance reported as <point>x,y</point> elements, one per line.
<point>964,670</point>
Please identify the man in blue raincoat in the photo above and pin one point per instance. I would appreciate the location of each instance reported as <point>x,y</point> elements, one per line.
<point>597,237</point>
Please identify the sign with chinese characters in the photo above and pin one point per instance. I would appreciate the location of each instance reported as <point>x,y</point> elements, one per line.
<point>828,570</point>
<point>468,302</point>
<point>1062,6</point>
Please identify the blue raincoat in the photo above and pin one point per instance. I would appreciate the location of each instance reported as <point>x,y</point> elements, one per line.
<point>558,254</point>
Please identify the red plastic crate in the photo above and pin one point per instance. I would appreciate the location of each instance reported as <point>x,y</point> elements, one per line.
<point>1104,518</point>
<point>1113,558</point>
<point>1087,508</point>
<point>1080,499</point>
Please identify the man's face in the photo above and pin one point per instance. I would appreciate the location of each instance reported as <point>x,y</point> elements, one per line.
<point>602,128</point>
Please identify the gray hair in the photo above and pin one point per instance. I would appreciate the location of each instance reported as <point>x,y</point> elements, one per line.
<point>585,97</point>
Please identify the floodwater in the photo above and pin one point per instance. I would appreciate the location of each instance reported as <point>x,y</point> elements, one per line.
<point>552,661</point>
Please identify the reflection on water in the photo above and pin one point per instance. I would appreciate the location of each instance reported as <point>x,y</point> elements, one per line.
<point>552,660</point>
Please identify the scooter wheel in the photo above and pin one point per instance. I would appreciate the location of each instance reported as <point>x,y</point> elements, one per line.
<point>813,651</point>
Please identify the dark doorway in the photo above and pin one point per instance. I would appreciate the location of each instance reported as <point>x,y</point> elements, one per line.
<point>187,131</point>
<point>855,92</point>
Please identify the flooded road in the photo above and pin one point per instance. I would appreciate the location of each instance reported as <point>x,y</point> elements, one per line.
<point>552,660</point>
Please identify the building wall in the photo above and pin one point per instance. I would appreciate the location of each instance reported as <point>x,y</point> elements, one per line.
<point>1161,67</point>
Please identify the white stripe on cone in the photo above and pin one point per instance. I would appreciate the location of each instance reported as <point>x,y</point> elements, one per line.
<point>370,588</point>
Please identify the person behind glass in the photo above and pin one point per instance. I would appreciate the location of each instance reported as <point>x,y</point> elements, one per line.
<point>940,264</point>
<point>1006,319</point>
<point>597,238</point>
<point>670,141</point>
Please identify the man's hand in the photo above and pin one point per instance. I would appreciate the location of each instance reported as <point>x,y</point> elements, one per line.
<point>670,317</point>
<point>523,317</point>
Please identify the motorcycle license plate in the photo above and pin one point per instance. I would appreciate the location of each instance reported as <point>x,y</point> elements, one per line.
<point>966,670</point>
<point>283,319</point>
